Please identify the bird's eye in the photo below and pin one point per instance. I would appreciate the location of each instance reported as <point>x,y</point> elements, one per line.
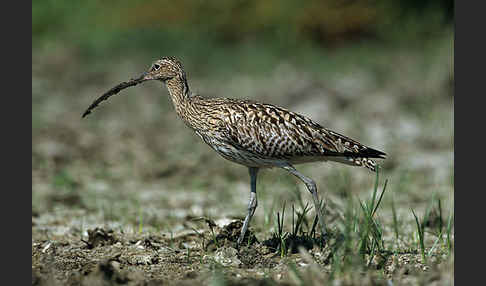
<point>156,66</point>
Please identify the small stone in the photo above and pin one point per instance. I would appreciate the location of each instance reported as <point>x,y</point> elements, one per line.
<point>46,247</point>
<point>227,256</point>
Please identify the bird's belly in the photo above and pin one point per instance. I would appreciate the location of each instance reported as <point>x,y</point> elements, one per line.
<point>243,157</point>
<point>252,160</point>
<point>246,158</point>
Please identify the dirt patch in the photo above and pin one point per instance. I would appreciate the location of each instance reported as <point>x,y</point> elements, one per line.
<point>109,257</point>
<point>99,237</point>
<point>228,235</point>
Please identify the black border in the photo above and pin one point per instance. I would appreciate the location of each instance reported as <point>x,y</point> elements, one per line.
<point>16,22</point>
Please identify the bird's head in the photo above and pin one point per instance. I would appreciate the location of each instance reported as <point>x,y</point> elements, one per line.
<point>163,70</point>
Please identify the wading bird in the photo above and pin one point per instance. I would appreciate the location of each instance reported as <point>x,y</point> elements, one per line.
<point>256,135</point>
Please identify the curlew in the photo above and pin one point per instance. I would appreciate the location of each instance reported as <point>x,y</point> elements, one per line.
<point>253,134</point>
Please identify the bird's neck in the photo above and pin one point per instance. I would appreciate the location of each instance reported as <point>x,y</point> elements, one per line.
<point>179,93</point>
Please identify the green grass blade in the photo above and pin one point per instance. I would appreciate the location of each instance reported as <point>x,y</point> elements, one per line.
<point>421,236</point>
<point>381,197</point>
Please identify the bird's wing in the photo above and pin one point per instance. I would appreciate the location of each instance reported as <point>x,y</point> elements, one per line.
<point>272,131</point>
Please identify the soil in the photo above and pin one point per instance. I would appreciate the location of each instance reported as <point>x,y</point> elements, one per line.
<point>108,257</point>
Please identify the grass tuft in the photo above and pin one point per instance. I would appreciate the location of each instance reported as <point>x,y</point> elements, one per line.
<point>140,219</point>
<point>370,231</point>
<point>421,233</point>
<point>449,231</point>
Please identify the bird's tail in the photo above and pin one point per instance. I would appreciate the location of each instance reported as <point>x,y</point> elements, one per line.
<point>356,161</point>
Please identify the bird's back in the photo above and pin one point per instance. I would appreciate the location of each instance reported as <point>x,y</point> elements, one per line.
<point>262,135</point>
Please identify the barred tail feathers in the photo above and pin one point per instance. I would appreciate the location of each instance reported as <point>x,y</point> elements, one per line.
<point>359,162</point>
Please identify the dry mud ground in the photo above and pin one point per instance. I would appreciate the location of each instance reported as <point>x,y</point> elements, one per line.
<point>129,196</point>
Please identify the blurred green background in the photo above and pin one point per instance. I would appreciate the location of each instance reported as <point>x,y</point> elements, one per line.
<point>255,35</point>
<point>378,71</point>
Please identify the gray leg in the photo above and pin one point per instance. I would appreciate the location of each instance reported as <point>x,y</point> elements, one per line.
<point>252,204</point>
<point>311,186</point>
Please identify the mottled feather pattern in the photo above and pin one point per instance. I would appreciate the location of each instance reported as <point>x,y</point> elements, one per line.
<point>264,135</point>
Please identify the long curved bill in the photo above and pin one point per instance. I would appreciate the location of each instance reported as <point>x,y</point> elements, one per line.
<point>114,91</point>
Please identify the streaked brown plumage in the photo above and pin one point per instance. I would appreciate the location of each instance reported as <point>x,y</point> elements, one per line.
<point>254,134</point>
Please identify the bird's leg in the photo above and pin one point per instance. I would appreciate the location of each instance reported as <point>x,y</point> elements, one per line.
<point>311,186</point>
<point>252,204</point>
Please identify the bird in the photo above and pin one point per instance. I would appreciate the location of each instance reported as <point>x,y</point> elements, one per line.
<point>253,134</point>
